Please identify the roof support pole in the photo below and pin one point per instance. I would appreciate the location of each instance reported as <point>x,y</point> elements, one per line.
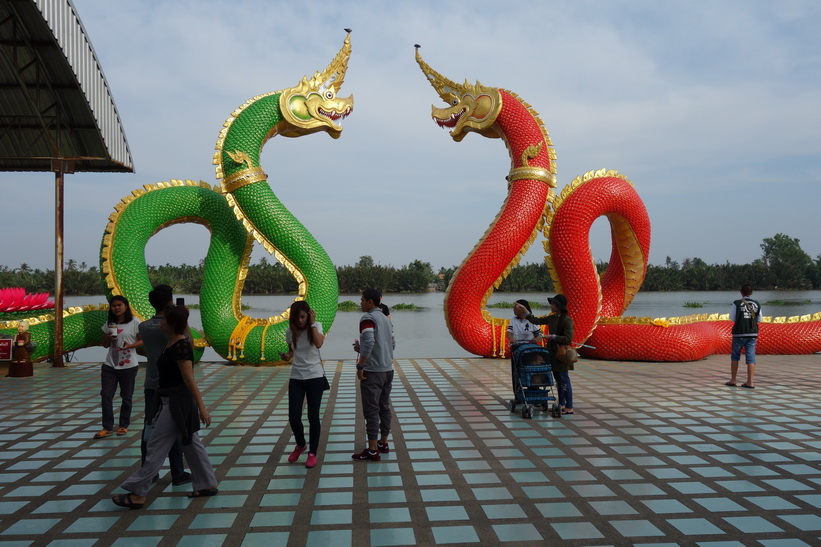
<point>60,167</point>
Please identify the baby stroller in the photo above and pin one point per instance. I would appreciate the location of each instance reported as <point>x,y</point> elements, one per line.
<point>533,380</point>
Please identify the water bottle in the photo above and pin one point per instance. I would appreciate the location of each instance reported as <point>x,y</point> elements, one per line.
<point>112,333</point>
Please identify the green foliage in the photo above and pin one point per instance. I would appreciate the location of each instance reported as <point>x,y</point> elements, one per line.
<point>267,278</point>
<point>814,272</point>
<point>784,265</point>
<point>693,305</point>
<point>352,279</point>
<point>415,277</point>
<point>527,278</point>
<point>789,264</point>
<point>401,306</point>
<point>184,278</point>
<point>783,302</point>
<point>443,278</point>
<point>78,279</point>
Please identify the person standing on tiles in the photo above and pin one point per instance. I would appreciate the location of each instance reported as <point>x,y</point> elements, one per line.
<point>746,314</point>
<point>374,368</point>
<point>154,341</point>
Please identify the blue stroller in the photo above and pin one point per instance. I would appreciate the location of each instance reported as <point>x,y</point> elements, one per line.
<point>533,380</point>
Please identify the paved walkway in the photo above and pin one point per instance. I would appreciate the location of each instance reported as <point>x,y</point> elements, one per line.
<point>655,454</point>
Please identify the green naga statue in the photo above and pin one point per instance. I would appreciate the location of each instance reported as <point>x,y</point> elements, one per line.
<point>244,209</point>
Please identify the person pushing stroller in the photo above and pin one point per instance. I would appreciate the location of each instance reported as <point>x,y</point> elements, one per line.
<point>560,326</point>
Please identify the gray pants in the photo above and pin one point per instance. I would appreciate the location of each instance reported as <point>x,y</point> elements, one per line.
<point>376,400</point>
<point>163,437</point>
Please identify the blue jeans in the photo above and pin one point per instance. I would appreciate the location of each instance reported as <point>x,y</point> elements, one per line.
<point>746,342</point>
<point>564,389</point>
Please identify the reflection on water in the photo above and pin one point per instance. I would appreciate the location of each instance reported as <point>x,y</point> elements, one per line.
<point>423,333</point>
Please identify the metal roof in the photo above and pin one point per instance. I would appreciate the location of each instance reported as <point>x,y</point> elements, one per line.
<point>54,98</point>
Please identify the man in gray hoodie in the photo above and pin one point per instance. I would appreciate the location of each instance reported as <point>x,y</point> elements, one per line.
<point>374,368</point>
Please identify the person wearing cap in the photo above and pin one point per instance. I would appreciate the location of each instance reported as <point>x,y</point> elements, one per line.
<point>520,331</point>
<point>560,327</point>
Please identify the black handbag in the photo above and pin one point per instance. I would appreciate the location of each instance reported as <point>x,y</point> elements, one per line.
<point>326,385</point>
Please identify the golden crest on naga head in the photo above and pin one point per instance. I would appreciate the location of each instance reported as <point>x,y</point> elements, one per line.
<point>472,107</point>
<point>312,105</point>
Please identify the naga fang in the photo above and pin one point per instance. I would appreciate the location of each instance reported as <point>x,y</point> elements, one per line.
<point>596,304</point>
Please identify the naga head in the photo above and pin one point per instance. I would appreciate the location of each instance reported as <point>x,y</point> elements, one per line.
<point>312,105</point>
<point>472,107</point>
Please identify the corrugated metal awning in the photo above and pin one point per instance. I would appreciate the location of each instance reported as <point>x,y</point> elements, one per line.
<point>54,98</point>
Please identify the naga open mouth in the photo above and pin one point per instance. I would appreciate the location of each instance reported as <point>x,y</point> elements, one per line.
<point>451,121</point>
<point>334,115</point>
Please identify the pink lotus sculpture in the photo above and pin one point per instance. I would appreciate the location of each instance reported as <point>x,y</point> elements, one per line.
<point>15,299</point>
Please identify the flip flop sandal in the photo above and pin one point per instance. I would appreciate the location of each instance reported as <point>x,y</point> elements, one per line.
<point>748,387</point>
<point>204,493</point>
<point>731,384</point>
<point>124,500</point>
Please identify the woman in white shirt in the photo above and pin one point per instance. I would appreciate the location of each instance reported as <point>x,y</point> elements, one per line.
<point>304,338</point>
<point>120,367</point>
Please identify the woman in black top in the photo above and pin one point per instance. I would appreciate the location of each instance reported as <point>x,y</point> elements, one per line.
<point>179,418</point>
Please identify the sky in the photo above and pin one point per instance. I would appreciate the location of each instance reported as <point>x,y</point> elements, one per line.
<point>711,109</point>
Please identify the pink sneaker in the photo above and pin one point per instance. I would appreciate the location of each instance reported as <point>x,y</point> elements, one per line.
<point>296,454</point>
<point>311,461</point>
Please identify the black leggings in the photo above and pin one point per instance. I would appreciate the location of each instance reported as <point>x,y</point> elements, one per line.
<point>298,390</point>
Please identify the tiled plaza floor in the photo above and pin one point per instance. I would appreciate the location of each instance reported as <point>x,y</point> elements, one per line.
<point>655,454</point>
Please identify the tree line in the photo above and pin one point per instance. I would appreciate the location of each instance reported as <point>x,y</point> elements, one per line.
<point>783,265</point>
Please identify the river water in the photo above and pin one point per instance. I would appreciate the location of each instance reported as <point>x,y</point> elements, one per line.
<point>423,333</point>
